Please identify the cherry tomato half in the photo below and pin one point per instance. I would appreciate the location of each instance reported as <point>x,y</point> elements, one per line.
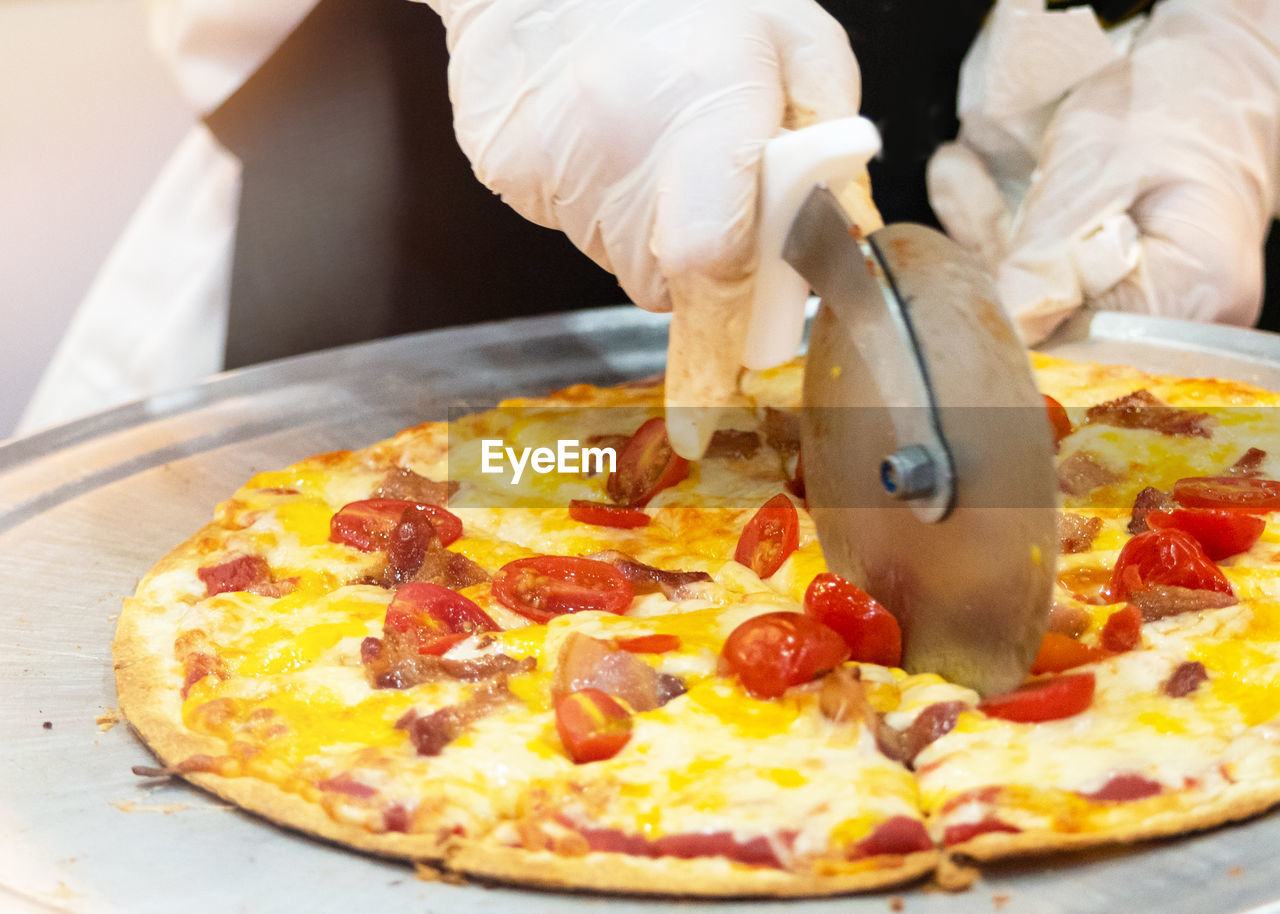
<point>366,525</point>
<point>602,514</point>
<point>437,616</point>
<point>1044,699</point>
<point>775,651</point>
<point>1059,421</point>
<point>1245,492</point>
<point>870,630</point>
<point>1164,558</point>
<point>771,535</point>
<point>592,725</point>
<point>1122,630</point>
<point>1062,652</point>
<point>1222,532</point>
<point>646,466</point>
<point>545,586</point>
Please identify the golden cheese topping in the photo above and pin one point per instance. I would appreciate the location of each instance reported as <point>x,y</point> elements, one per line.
<point>283,640</point>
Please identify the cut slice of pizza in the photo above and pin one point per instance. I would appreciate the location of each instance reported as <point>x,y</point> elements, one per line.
<point>526,690</point>
<point>1154,707</point>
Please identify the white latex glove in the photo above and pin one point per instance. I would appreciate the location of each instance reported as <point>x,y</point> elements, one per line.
<point>636,126</point>
<point>1154,178</point>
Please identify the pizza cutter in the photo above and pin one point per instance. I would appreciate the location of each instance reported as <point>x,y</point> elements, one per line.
<point>928,456</point>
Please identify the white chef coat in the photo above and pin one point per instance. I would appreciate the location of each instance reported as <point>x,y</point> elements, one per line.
<point>155,316</point>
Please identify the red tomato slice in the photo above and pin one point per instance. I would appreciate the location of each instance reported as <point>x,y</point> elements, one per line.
<point>1222,532</point>
<point>772,652</point>
<point>602,514</point>
<point>1123,630</point>
<point>438,617</point>
<point>592,726</point>
<point>870,630</point>
<point>1164,558</point>
<point>367,524</point>
<point>1043,699</point>
<point>649,644</point>
<point>771,535</point>
<point>646,466</point>
<point>1245,492</point>
<point>1059,421</point>
<point>1062,652</point>
<point>545,586</point>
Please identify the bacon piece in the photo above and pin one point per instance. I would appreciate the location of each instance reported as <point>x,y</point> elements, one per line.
<point>461,572</point>
<point>1123,788</point>
<point>1185,679</point>
<point>345,783</point>
<point>983,796</point>
<point>414,552</point>
<point>898,835</point>
<point>843,698</point>
<point>241,572</point>
<point>430,733</point>
<point>1076,532</point>
<point>1249,463</point>
<point>1142,409</point>
<point>648,579</point>
<point>936,720</point>
<point>1081,473</point>
<point>199,664</point>
<point>395,818</point>
<point>402,482</point>
<point>484,667</point>
<point>1071,621</point>
<point>669,687</point>
<point>1164,600</point>
<point>759,851</point>
<point>732,444</point>
<point>1148,500</point>
<point>396,664</point>
<point>781,431</point>
<point>588,663</point>
<point>959,834</point>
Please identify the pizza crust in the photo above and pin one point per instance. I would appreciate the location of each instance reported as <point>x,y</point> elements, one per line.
<point>1195,812</point>
<point>671,876</point>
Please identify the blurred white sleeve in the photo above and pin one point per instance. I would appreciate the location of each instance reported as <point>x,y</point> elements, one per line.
<point>214,46</point>
<point>155,316</point>
<point>1137,170</point>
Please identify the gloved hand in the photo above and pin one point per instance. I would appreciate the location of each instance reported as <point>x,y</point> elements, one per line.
<point>1154,181</point>
<point>636,126</point>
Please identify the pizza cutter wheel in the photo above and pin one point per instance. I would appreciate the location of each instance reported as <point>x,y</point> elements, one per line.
<point>928,455</point>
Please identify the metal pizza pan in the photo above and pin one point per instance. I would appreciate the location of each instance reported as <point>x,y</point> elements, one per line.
<point>88,507</point>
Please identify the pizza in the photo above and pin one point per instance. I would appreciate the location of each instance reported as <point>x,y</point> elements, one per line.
<point>532,644</point>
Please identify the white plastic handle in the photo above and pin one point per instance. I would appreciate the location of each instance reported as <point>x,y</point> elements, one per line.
<point>792,165</point>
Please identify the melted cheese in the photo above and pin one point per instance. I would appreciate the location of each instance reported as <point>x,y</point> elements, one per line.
<point>715,759</point>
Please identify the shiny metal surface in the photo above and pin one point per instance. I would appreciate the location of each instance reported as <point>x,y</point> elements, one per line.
<point>910,355</point>
<point>87,508</point>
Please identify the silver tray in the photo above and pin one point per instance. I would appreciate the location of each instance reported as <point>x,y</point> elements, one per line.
<point>88,507</point>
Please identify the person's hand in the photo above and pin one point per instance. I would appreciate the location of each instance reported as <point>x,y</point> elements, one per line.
<point>636,126</point>
<point>1154,183</point>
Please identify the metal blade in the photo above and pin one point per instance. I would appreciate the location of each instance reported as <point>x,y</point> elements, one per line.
<point>928,455</point>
